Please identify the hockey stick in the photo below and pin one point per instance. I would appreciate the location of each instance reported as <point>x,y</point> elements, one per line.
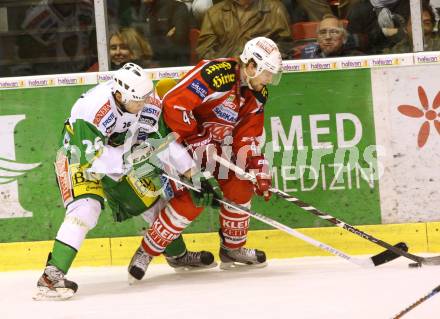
<point>418,302</point>
<point>369,262</point>
<point>391,250</point>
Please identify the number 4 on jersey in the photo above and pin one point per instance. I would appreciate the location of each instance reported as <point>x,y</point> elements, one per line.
<point>186,116</point>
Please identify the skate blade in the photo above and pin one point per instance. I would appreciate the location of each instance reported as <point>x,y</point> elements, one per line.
<point>45,294</point>
<point>131,280</point>
<point>191,269</point>
<point>240,266</point>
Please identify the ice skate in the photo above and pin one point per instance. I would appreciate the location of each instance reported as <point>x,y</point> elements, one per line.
<point>138,265</point>
<point>241,257</point>
<point>190,261</point>
<point>53,286</point>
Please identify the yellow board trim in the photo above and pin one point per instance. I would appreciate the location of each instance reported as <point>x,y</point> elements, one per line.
<point>420,237</point>
<point>433,233</point>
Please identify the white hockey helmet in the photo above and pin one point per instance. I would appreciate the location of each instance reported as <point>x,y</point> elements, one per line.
<point>266,55</point>
<point>132,82</point>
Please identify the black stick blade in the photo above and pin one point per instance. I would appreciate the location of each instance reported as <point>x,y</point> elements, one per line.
<point>388,255</point>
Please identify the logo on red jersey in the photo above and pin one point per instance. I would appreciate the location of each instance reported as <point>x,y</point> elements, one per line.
<point>218,131</point>
<point>225,113</point>
<point>101,113</point>
<point>222,79</point>
<point>198,88</point>
<point>218,67</point>
<point>230,102</point>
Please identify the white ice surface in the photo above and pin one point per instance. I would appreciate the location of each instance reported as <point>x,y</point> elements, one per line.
<point>302,288</point>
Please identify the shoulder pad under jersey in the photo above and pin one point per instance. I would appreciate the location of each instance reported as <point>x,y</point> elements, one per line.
<point>220,74</point>
<point>262,95</point>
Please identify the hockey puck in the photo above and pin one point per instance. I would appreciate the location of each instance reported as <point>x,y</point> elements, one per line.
<point>415,265</point>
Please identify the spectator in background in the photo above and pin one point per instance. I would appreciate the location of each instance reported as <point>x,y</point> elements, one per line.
<point>127,45</point>
<point>332,41</point>
<point>374,23</point>
<point>198,10</point>
<point>435,4</point>
<point>344,7</point>
<point>315,10</point>
<point>431,42</point>
<point>122,13</point>
<point>295,12</point>
<point>166,24</point>
<point>229,24</point>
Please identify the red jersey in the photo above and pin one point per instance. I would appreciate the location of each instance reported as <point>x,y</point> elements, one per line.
<point>211,97</point>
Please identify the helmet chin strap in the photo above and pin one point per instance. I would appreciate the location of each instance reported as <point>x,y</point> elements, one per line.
<point>120,105</point>
<point>248,78</point>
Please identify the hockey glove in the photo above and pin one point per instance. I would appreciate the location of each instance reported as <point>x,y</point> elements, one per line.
<point>142,157</point>
<point>199,143</point>
<point>259,166</point>
<point>139,165</point>
<point>209,190</point>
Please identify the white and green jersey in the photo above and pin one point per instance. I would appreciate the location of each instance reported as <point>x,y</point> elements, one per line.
<point>99,129</point>
<point>99,133</point>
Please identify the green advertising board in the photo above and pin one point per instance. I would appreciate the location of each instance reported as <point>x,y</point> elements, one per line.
<point>315,123</point>
<point>321,126</point>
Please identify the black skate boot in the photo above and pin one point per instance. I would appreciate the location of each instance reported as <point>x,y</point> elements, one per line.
<point>192,260</point>
<point>241,257</point>
<point>138,265</point>
<point>53,286</point>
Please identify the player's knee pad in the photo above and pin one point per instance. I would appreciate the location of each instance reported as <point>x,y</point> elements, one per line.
<point>85,212</point>
<point>81,216</point>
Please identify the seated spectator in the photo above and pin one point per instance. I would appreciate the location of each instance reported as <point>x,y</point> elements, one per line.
<point>198,10</point>
<point>297,13</point>
<point>229,24</point>
<point>435,4</point>
<point>332,41</point>
<point>122,13</point>
<point>166,24</point>
<point>431,42</point>
<point>374,23</point>
<point>127,45</point>
<point>344,6</point>
<point>315,10</point>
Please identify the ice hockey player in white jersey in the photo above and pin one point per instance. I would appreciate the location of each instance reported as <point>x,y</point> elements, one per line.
<point>90,166</point>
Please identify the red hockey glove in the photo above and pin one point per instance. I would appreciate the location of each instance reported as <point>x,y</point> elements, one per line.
<point>259,166</point>
<point>199,140</point>
<point>200,146</point>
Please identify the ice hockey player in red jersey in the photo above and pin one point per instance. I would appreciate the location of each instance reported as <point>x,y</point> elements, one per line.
<point>221,102</point>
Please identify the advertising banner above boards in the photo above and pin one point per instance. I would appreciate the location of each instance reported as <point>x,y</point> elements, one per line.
<point>343,63</point>
<point>323,136</point>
